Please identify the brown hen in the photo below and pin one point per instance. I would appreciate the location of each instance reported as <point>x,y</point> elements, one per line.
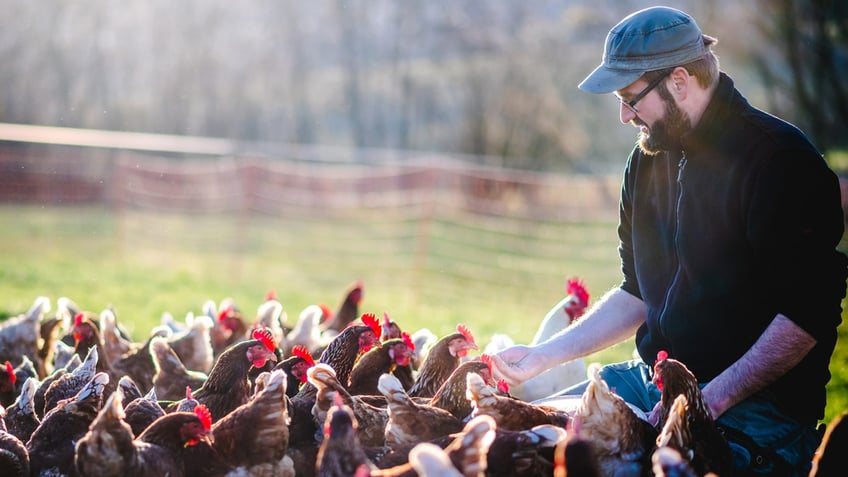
<point>442,359</point>
<point>171,377</point>
<point>380,359</point>
<point>253,438</point>
<point>348,309</point>
<point>371,419</point>
<point>227,386</point>
<point>109,449</point>
<point>409,422</point>
<point>340,453</point>
<point>341,354</point>
<point>621,440</point>
<point>693,432</point>
<point>510,414</point>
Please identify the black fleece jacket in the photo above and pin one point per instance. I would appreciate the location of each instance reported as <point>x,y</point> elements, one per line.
<point>719,237</point>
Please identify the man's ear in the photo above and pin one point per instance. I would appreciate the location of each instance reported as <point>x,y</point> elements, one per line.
<point>680,83</point>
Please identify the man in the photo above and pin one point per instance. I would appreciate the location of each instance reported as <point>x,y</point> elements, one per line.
<point>729,222</point>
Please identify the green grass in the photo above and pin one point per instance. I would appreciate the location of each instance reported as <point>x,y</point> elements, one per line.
<point>495,274</point>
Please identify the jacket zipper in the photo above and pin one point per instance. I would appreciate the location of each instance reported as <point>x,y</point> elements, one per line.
<point>680,166</point>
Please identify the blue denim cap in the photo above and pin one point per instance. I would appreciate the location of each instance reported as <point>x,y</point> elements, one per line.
<point>651,39</point>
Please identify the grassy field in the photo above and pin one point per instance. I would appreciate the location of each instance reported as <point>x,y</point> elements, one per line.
<point>495,274</point>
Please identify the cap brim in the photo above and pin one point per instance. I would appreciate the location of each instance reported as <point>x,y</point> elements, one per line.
<point>606,80</point>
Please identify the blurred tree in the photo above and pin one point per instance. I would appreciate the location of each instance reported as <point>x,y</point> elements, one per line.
<point>803,65</point>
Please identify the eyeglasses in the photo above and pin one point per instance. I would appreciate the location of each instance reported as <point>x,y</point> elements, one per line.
<point>631,105</point>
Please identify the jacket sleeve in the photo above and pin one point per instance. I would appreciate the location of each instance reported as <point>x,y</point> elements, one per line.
<point>629,283</point>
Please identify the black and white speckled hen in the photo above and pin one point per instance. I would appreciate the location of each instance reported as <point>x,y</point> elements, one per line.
<point>21,419</point>
<point>52,446</point>
<point>14,458</point>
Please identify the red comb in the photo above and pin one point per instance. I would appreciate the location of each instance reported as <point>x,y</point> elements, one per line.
<point>266,338</point>
<point>271,295</point>
<point>204,415</point>
<point>78,319</point>
<point>189,395</point>
<point>466,333</point>
<point>408,340</point>
<point>222,315</point>
<point>326,312</point>
<point>370,319</point>
<point>503,386</point>
<point>487,360</point>
<point>11,371</point>
<point>662,355</point>
<point>574,286</point>
<point>386,320</point>
<point>301,352</point>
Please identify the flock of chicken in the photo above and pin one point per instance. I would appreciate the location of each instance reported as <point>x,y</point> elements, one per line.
<point>223,394</point>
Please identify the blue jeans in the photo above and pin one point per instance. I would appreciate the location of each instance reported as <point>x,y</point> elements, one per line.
<point>763,441</point>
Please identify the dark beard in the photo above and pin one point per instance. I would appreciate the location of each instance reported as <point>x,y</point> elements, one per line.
<point>665,134</point>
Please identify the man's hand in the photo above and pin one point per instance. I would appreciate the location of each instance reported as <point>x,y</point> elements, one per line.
<point>517,364</point>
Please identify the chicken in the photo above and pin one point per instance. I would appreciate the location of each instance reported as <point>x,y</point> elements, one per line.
<point>271,315</point>
<point>138,363</point>
<point>380,359</point>
<point>409,422</point>
<point>20,335</point>
<point>254,437</point>
<point>676,434</point>
<point>51,446</point>
<point>63,355</point>
<point>693,431</point>
<point>69,384</point>
<point>452,395</point>
<point>442,360</point>
<point>14,458</point>
<point>171,377</point>
<point>49,331</point>
<point>829,458</point>
<point>228,386</point>
<point>340,453</point>
<point>508,413</point>
<point>108,449</point>
<point>140,411</point>
<point>21,419</point>
<point>228,329</point>
<point>424,340</point>
<point>348,309</point>
<point>39,398</point>
<point>8,389</point>
<point>115,345</point>
<point>467,451</point>
<point>563,375</point>
<point>574,456</point>
<point>194,344</point>
<point>306,331</point>
<point>371,419</point>
<point>390,329</point>
<point>620,439</point>
<point>296,367</point>
<point>341,354</point>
